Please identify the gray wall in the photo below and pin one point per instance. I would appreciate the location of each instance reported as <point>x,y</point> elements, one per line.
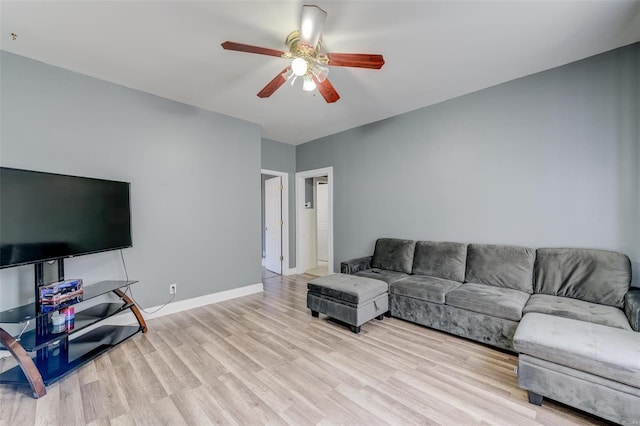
<point>551,159</point>
<point>194,178</point>
<point>281,157</point>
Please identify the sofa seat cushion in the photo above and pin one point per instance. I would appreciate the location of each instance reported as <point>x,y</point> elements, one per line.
<point>349,288</point>
<point>499,302</point>
<point>422,287</point>
<point>382,274</point>
<point>393,254</point>
<point>597,276</point>
<point>604,351</point>
<point>577,309</point>
<point>440,259</point>
<point>501,266</point>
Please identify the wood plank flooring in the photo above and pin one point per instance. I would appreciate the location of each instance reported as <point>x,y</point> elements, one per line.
<point>262,359</point>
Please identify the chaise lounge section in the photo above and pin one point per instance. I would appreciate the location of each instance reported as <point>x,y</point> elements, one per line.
<point>590,366</point>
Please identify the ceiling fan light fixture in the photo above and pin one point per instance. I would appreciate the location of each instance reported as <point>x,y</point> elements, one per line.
<point>308,85</point>
<point>299,66</point>
<point>307,62</point>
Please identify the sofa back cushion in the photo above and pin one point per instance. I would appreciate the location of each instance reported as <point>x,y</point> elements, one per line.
<point>393,254</point>
<point>501,266</point>
<point>597,276</point>
<point>440,259</point>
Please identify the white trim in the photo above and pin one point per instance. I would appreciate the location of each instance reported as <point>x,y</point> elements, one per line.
<point>285,214</point>
<point>183,305</point>
<point>290,271</point>
<point>300,177</point>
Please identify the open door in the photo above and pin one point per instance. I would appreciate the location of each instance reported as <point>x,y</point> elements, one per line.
<point>273,224</point>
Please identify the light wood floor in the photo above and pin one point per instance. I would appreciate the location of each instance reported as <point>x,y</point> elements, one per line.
<point>262,359</point>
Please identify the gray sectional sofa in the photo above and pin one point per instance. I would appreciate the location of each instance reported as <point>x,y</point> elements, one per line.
<point>482,292</point>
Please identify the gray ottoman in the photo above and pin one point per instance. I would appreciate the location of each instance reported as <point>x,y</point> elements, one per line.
<point>348,298</point>
<point>589,366</point>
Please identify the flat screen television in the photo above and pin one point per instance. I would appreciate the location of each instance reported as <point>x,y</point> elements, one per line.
<point>46,216</point>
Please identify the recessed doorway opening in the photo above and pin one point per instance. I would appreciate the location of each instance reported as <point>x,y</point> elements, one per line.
<point>314,221</point>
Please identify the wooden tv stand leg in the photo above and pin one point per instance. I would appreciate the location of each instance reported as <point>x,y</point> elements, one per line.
<point>26,363</point>
<point>134,309</point>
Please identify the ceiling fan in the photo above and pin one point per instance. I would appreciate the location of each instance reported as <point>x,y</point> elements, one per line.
<point>307,61</point>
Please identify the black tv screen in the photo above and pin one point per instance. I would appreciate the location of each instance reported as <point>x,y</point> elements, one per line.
<point>46,216</point>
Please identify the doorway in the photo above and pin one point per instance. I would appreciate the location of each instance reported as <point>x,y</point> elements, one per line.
<point>314,221</point>
<point>275,222</point>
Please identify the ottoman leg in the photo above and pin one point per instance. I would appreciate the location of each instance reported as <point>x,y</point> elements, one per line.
<point>379,317</point>
<point>535,398</point>
<point>387,314</point>
<point>355,329</point>
<point>315,314</point>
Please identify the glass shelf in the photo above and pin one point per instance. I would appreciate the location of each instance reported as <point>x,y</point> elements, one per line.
<point>30,340</point>
<point>29,311</point>
<point>81,350</point>
<point>43,357</point>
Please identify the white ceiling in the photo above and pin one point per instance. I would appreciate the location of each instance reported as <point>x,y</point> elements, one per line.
<point>434,50</point>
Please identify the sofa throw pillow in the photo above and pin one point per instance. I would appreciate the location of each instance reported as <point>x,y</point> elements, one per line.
<point>597,276</point>
<point>393,254</point>
<point>501,266</point>
<point>440,259</point>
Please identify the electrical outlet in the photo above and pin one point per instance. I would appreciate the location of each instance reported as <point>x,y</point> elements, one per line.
<point>172,288</point>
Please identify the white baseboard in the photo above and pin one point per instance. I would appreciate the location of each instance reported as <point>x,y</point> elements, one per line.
<point>183,305</point>
<point>290,271</point>
<point>127,318</point>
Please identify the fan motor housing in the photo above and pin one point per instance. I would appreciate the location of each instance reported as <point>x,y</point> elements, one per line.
<point>292,41</point>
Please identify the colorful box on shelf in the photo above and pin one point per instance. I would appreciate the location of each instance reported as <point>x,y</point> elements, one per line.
<point>60,294</point>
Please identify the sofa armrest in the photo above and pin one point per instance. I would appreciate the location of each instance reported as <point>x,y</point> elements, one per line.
<point>355,265</point>
<point>632,308</point>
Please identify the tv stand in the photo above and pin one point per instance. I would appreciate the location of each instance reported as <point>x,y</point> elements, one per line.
<point>56,354</point>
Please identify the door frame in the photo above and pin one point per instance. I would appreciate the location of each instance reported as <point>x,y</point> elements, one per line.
<point>300,225</point>
<point>316,187</point>
<point>285,217</point>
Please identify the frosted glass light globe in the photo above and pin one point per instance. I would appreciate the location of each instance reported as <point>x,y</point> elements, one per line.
<point>308,85</point>
<point>320,72</point>
<point>299,66</point>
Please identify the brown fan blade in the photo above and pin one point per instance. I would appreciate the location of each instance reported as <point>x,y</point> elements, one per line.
<point>273,85</point>
<point>326,90</point>
<point>230,45</point>
<point>358,60</point>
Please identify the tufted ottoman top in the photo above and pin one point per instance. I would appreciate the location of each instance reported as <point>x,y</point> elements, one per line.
<point>598,349</point>
<point>350,288</point>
